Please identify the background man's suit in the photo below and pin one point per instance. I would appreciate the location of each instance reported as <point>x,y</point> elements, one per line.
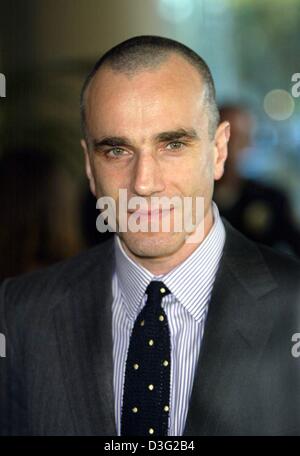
<point>57,378</point>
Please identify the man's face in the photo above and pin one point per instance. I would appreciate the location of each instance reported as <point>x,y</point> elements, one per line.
<point>148,134</point>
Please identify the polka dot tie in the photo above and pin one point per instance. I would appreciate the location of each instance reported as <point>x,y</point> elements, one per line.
<point>146,396</point>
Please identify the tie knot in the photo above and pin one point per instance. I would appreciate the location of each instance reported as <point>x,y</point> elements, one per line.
<point>156,290</point>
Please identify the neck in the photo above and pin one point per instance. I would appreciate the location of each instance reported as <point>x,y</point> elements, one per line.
<point>163,265</point>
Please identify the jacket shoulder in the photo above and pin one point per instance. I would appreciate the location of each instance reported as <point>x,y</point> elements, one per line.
<point>42,289</point>
<point>285,268</point>
<point>249,257</point>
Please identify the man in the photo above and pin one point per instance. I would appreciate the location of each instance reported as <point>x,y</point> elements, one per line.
<point>77,353</point>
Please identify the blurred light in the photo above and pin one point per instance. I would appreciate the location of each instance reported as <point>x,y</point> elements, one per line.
<point>295,130</point>
<point>175,11</point>
<point>279,104</point>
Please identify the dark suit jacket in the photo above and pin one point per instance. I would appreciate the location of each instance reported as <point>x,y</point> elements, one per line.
<point>57,377</point>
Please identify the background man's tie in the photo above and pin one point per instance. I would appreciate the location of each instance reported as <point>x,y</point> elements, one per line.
<point>146,397</point>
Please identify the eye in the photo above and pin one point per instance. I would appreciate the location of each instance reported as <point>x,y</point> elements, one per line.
<point>174,145</point>
<point>115,152</point>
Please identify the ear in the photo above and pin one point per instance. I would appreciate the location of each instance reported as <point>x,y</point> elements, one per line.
<point>220,148</point>
<point>88,166</point>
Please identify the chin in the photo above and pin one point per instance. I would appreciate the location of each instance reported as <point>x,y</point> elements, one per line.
<point>152,245</point>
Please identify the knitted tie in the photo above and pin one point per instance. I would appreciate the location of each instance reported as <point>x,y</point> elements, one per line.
<point>146,393</point>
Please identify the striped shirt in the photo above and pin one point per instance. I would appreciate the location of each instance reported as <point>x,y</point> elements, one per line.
<point>186,308</point>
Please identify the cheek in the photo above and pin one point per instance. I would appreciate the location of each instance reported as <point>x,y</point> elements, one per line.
<point>195,177</point>
<point>109,180</point>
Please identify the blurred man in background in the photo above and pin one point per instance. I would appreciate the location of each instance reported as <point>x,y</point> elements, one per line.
<point>258,210</point>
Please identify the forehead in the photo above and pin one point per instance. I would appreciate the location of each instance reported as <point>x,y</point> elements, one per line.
<point>171,90</point>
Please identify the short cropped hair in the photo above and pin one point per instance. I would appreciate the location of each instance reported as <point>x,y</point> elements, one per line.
<point>147,52</point>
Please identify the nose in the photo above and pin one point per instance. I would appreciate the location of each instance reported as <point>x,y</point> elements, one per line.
<point>148,178</point>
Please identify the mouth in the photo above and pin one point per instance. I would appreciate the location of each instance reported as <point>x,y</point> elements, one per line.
<point>151,214</point>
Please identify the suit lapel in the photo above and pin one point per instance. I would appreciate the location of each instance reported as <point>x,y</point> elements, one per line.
<point>84,330</point>
<point>233,340</point>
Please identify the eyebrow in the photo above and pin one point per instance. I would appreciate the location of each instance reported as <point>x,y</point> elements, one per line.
<point>172,135</point>
<point>112,141</point>
<point>176,134</point>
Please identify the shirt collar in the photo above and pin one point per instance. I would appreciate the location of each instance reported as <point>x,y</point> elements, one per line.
<point>190,282</point>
